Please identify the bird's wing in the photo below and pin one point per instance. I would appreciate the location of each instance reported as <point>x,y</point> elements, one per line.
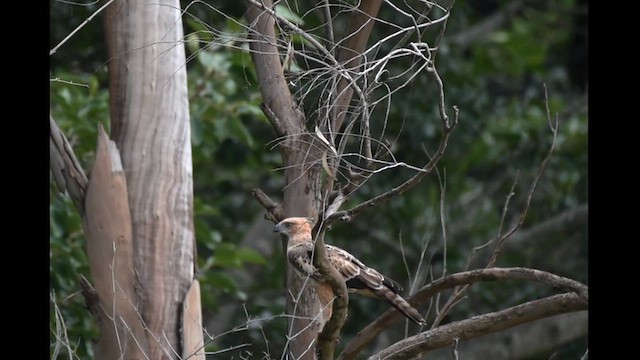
<point>367,281</point>
<point>358,276</point>
<point>299,257</point>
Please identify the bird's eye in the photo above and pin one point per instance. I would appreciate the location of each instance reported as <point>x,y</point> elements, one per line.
<point>287,225</point>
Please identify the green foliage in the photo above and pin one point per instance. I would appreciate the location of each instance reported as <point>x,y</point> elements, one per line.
<point>224,105</point>
<point>496,81</point>
<point>77,105</point>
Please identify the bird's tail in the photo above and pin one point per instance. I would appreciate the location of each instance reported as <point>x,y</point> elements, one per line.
<point>402,305</point>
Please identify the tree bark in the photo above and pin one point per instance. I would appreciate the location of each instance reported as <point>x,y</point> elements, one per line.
<point>481,325</point>
<point>107,226</point>
<point>302,195</point>
<point>524,341</point>
<point>151,126</point>
<point>356,37</point>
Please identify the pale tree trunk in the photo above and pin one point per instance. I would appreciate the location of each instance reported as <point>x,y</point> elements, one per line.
<point>157,298</point>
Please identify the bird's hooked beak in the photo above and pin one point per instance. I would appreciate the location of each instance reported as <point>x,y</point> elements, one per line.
<point>280,227</point>
<point>291,225</point>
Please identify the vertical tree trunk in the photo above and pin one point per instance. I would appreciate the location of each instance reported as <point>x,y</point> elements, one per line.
<point>302,172</point>
<point>302,198</point>
<point>151,127</point>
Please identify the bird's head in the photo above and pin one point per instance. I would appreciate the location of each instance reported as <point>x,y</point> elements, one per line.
<point>294,225</point>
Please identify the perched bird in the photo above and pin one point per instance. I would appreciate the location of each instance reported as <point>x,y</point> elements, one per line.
<point>358,277</point>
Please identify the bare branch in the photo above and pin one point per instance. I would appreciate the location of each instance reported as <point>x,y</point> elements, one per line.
<point>459,293</point>
<point>524,341</point>
<point>500,237</point>
<point>454,348</point>
<point>413,181</point>
<point>62,339</point>
<point>85,22</point>
<point>423,295</point>
<point>65,167</point>
<point>328,338</point>
<point>281,108</point>
<point>356,35</point>
<point>566,221</point>
<point>554,130</point>
<point>325,13</point>
<point>482,325</point>
<point>274,209</point>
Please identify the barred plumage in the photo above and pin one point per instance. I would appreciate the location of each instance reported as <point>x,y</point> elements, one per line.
<point>358,277</point>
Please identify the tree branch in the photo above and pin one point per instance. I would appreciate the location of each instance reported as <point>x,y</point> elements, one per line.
<point>566,221</point>
<point>324,10</point>
<point>274,209</point>
<point>297,150</point>
<point>356,35</point>
<point>372,330</point>
<point>500,238</point>
<point>525,341</point>
<point>482,325</point>
<point>281,108</point>
<point>85,22</point>
<point>413,181</point>
<point>65,167</point>
<point>270,49</point>
<point>328,338</point>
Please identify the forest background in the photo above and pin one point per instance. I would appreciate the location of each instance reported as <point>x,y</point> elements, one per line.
<point>495,60</point>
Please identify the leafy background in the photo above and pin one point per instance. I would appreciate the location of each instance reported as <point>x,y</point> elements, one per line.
<point>494,75</point>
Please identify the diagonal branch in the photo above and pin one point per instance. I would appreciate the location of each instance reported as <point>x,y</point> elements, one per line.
<point>500,237</point>
<point>269,48</point>
<point>565,222</point>
<point>279,106</point>
<point>385,320</point>
<point>274,210</point>
<point>65,167</point>
<point>85,22</point>
<point>357,35</point>
<point>553,125</point>
<point>482,325</point>
<point>523,341</point>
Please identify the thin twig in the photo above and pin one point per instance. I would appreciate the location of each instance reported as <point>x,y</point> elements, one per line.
<point>85,22</point>
<point>454,348</point>
<point>501,238</point>
<point>554,130</point>
<point>68,82</point>
<point>61,331</point>
<point>448,128</point>
<point>326,13</point>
